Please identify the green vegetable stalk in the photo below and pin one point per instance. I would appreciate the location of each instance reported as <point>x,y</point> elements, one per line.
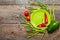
<point>54,24</point>
<point>41,5</point>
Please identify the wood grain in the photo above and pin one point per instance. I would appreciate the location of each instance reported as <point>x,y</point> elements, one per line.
<point>10,29</point>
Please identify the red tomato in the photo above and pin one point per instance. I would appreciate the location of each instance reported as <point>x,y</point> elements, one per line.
<point>26,13</point>
<point>28,18</point>
<point>42,25</point>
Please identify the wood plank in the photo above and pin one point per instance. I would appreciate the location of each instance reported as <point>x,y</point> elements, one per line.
<point>11,32</point>
<point>10,13</point>
<point>16,32</point>
<point>26,1</point>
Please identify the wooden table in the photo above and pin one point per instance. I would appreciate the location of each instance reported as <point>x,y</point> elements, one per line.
<point>10,29</point>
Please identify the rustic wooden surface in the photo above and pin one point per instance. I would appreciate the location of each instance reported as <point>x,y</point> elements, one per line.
<point>10,29</point>
<point>26,1</point>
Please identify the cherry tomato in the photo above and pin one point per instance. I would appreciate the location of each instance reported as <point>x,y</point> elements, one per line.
<point>28,18</point>
<point>26,13</point>
<point>42,25</point>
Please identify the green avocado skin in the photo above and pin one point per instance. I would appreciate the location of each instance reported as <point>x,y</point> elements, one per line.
<point>53,26</point>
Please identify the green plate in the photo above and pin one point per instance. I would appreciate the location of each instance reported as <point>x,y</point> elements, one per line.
<point>37,17</point>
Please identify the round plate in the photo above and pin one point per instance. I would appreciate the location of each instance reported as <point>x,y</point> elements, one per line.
<point>37,17</point>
